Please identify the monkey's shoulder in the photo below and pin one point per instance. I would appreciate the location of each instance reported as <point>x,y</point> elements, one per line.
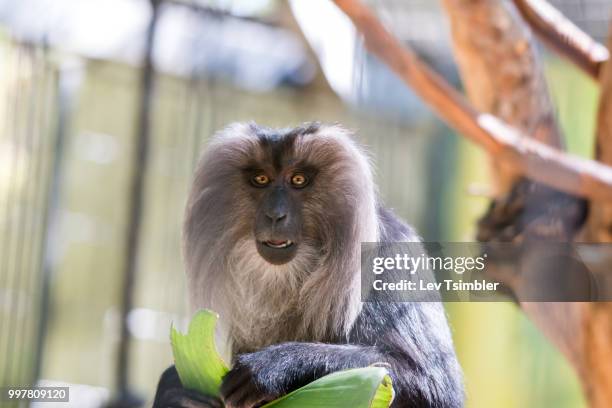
<point>394,229</point>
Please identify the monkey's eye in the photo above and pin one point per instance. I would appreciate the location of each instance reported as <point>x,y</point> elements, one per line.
<point>260,180</point>
<point>299,180</point>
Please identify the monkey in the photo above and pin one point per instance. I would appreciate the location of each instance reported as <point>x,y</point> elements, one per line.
<point>271,240</point>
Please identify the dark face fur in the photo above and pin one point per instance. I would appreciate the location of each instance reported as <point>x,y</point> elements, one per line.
<point>278,185</point>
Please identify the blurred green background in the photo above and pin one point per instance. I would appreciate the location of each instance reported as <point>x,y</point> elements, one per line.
<point>67,238</point>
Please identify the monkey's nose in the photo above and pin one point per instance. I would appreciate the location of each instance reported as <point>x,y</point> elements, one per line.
<point>276,216</point>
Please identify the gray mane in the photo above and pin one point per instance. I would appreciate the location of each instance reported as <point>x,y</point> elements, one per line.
<point>314,297</point>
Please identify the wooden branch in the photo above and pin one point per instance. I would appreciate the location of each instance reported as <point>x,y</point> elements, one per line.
<point>527,157</point>
<point>597,317</point>
<point>501,80</point>
<point>501,74</point>
<point>600,220</point>
<point>563,36</point>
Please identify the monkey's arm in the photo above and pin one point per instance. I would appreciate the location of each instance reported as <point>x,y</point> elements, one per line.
<point>269,373</point>
<point>419,355</point>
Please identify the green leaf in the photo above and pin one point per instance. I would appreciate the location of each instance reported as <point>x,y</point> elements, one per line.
<point>384,394</point>
<point>201,369</point>
<point>368,387</point>
<point>199,365</point>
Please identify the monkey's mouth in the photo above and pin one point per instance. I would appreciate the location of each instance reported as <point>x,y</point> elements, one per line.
<point>277,251</point>
<point>278,244</point>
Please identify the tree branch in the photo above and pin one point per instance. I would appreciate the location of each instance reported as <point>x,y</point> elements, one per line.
<point>527,157</point>
<point>563,36</point>
<point>501,74</point>
<point>600,220</point>
<point>530,210</point>
<point>597,317</point>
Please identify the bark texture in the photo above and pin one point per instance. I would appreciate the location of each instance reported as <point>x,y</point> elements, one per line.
<point>501,73</point>
<point>502,76</point>
<point>597,317</point>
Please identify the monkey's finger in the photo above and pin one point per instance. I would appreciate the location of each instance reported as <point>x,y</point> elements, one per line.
<point>253,401</point>
<point>205,400</point>
<point>234,380</point>
<point>247,396</point>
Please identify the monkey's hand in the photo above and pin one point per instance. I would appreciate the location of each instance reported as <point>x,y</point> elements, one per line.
<point>254,379</point>
<point>267,374</point>
<point>171,394</point>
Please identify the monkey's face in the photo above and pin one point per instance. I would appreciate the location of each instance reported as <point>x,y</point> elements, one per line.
<point>278,195</point>
<point>289,195</point>
<point>303,185</point>
<point>280,181</point>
